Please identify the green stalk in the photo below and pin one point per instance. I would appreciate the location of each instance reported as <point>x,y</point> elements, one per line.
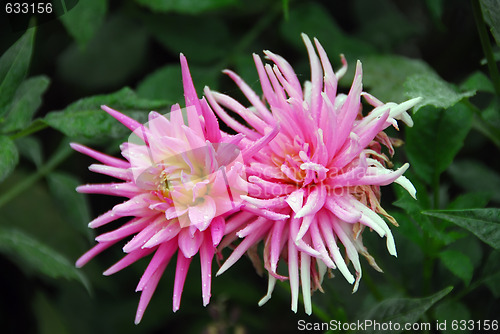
<point>429,257</point>
<point>485,43</point>
<point>62,153</point>
<point>372,287</point>
<point>34,127</point>
<point>435,189</point>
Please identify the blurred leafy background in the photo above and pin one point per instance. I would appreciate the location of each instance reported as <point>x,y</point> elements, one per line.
<point>125,54</point>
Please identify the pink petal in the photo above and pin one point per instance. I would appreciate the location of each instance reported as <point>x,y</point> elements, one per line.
<point>217,229</point>
<point>127,260</point>
<point>90,254</point>
<point>206,254</point>
<point>119,173</point>
<point>189,244</point>
<point>133,226</point>
<point>293,272</point>
<point>202,214</point>
<point>104,158</point>
<point>315,201</point>
<point>248,242</point>
<point>148,290</point>
<point>180,277</point>
<point>162,256</point>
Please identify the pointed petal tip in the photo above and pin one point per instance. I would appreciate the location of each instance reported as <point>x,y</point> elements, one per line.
<point>107,109</point>
<point>79,263</point>
<point>220,271</point>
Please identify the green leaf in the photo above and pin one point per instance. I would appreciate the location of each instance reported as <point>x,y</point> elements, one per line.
<point>394,70</point>
<point>9,157</point>
<point>491,273</point>
<point>49,320</point>
<point>31,149</point>
<point>414,209</point>
<point>74,206</point>
<point>85,118</point>
<point>484,223</point>
<point>402,310</point>
<point>212,47</point>
<point>313,19</point>
<point>26,102</point>
<point>117,52</point>
<point>475,176</point>
<point>166,84</point>
<point>35,256</point>
<point>491,14</point>
<point>458,263</point>
<point>488,122</point>
<point>91,123</point>
<point>382,16</point>
<point>436,8</point>
<point>450,310</point>
<point>186,6</point>
<point>470,201</point>
<point>436,138</point>
<point>434,91</point>
<point>122,100</point>
<point>83,21</point>
<point>13,68</point>
<point>478,81</point>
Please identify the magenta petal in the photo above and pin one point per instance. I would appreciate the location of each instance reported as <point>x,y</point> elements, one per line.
<point>130,123</point>
<point>276,243</point>
<point>189,91</point>
<point>148,290</point>
<point>180,277</point>
<point>127,260</point>
<point>189,244</point>
<point>206,254</point>
<point>105,218</point>
<point>217,228</point>
<point>90,254</point>
<point>296,199</point>
<point>104,158</point>
<point>248,242</point>
<point>129,228</point>
<point>162,257</point>
<point>202,214</point>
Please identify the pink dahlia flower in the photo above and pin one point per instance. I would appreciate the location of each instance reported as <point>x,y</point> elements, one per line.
<point>181,182</point>
<point>315,186</point>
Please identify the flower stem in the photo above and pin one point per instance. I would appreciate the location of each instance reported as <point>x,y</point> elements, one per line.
<point>61,154</point>
<point>485,43</point>
<point>435,189</point>
<point>372,287</point>
<point>34,127</point>
<point>427,270</point>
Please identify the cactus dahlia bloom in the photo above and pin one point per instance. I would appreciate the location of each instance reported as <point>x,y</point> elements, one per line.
<point>316,185</point>
<point>181,181</point>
